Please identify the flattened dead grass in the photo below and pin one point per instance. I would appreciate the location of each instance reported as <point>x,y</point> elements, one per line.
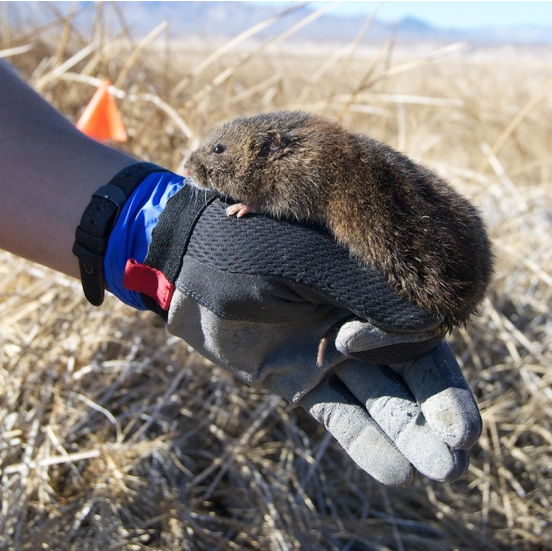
<point>114,435</point>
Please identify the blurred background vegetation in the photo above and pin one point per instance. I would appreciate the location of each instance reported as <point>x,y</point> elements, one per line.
<point>115,435</point>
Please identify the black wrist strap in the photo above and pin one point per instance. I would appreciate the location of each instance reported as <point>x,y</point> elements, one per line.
<point>98,220</point>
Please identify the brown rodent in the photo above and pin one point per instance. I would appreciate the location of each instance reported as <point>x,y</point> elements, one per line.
<point>392,214</point>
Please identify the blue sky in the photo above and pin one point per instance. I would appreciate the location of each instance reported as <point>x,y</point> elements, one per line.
<point>460,15</point>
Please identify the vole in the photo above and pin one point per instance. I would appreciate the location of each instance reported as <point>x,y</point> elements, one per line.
<point>391,213</point>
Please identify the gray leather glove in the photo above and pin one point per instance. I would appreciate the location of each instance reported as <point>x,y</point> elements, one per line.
<point>284,308</point>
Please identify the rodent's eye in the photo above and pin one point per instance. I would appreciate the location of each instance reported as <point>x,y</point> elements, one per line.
<point>219,148</point>
<point>264,150</point>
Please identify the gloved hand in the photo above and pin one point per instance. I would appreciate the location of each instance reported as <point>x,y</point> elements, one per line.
<point>284,308</point>
<point>390,419</point>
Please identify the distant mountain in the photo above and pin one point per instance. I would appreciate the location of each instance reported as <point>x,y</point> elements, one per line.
<point>227,19</point>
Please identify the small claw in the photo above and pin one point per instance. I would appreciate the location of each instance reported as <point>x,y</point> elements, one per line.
<point>239,209</point>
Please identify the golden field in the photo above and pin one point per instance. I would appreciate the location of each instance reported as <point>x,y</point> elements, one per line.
<point>114,435</point>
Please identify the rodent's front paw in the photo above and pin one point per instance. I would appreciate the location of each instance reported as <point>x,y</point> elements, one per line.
<point>239,209</point>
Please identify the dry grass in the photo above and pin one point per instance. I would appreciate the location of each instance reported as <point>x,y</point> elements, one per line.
<point>114,435</point>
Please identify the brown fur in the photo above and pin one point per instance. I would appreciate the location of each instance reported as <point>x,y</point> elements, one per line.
<point>391,213</point>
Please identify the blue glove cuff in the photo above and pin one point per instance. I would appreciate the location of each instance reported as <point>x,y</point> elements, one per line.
<point>131,235</point>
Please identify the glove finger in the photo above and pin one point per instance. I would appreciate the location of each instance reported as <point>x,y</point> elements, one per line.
<point>365,342</point>
<point>393,408</point>
<point>447,403</point>
<point>349,423</point>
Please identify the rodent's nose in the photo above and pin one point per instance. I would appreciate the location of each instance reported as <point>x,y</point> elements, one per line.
<point>186,169</point>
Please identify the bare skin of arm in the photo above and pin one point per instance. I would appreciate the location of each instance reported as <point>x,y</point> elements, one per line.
<point>49,172</point>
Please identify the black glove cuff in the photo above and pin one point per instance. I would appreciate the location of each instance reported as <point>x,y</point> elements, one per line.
<point>171,235</point>
<point>98,220</point>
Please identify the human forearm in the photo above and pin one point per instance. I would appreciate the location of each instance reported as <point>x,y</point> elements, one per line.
<point>49,171</point>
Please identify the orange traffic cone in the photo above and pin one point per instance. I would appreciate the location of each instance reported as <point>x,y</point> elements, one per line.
<point>101,119</point>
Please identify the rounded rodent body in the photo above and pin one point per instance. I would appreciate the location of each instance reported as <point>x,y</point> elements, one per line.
<point>391,212</point>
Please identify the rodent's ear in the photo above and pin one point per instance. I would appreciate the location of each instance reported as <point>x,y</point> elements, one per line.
<point>272,144</point>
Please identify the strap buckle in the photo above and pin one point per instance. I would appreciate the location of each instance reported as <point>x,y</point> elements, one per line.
<point>97,222</point>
